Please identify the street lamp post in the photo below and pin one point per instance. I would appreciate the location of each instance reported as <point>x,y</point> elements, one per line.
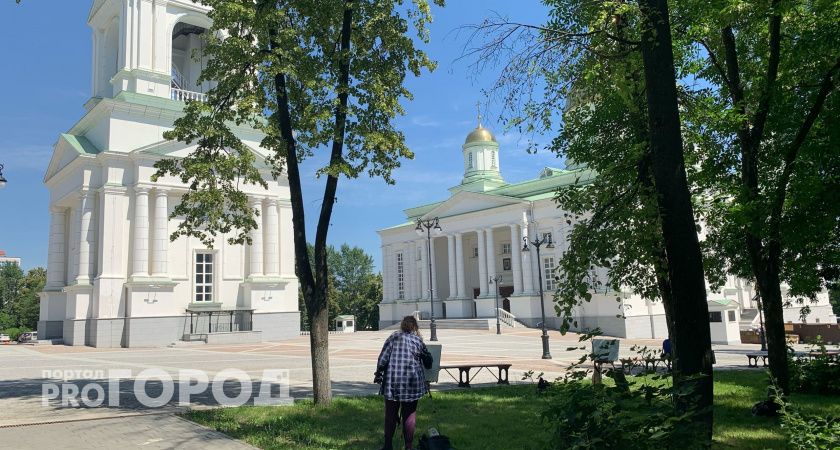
<point>2,178</point>
<point>427,226</point>
<point>537,243</point>
<point>496,280</point>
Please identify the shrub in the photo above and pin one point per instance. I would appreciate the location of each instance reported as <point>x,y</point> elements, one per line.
<point>622,414</point>
<point>819,374</point>
<point>809,432</point>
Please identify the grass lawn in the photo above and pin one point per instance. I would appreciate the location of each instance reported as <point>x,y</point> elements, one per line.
<point>497,417</point>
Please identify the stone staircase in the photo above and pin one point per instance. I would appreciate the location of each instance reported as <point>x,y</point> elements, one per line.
<point>482,324</point>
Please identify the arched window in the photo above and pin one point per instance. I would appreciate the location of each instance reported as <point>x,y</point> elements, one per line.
<point>493,159</point>
<point>188,60</point>
<point>470,164</point>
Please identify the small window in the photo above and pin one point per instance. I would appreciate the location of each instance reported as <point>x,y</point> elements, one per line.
<point>470,161</point>
<point>493,159</point>
<point>203,277</point>
<point>731,315</point>
<point>715,316</point>
<point>349,323</point>
<point>506,249</point>
<point>475,252</point>
<point>400,277</point>
<point>548,273</point>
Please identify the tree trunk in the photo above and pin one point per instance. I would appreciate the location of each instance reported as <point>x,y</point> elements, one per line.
<point>691,340</point>
<point>319,326</point>
<point>774,326</point>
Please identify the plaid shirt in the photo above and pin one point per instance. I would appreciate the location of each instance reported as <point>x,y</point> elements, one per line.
<point>404,379</point>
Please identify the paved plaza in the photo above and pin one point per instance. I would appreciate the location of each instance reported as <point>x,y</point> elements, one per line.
<point>26,422</point>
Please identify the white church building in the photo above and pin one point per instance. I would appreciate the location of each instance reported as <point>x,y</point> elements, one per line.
<point>483,223</point>
<point>114,278</point>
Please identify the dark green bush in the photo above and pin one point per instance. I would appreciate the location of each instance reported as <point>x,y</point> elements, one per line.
<point>630,413</point>
<point>809,432</point>
<point>817,375</point>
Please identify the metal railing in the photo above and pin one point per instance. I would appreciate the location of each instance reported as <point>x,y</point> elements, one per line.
<point>177,78</point>
<point>187,96</point>
<point>507,318</point>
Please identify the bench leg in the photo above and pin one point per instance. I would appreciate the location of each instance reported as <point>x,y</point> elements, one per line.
<point>464,377</point>
<point>503,376</point>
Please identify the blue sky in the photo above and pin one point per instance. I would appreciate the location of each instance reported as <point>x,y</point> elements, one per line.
<point>46,50</point>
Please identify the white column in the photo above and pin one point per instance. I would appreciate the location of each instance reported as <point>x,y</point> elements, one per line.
<point>57,258</point>
<point>256,242</point>
<point>272,239</point>
<point>160,235</point>
<point>85,236</point>
<point>482,263</point>
<point>453,282</point>
<point>434,269</point>
<point>386,277</point>
<point>527,274</point>
<point>459,266</point>
<point>424,268</point>
<point>140,252</point>
<point>410,271</point>
<point>491,260</point>
<point>516,258</point>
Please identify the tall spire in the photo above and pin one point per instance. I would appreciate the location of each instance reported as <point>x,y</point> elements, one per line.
<point>478,111</point>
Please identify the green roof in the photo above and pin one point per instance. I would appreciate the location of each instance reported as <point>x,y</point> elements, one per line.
<point>81,144</point>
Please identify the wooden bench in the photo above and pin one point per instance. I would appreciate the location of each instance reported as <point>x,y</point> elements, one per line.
<point>464,377</point>
<point>752,358</point>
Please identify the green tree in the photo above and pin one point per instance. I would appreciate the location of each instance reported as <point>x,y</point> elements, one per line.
<point>356,285</point>
<point>768,147</point>
<point>19,300</point>
<point>11,281</point>
<point>353,287</point>
<point>314,76</point>
<point>610,67</point>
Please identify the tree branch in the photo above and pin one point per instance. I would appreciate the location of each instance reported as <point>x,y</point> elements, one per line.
<point>343,89</point>
<point>775,44</point>
<point>826,87</point>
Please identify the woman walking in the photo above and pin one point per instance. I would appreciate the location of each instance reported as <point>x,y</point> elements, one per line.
<point>400,370</point>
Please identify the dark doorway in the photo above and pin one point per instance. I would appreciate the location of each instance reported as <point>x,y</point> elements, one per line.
<point>443,310</point>
<point>476,292</point>
<point>506,304</point>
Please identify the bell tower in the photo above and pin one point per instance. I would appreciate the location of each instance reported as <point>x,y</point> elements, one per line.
<point>151,47</point>
<point>481,161</point>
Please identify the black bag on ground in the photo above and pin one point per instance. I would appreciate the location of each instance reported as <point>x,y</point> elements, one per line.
<point>434,441</point>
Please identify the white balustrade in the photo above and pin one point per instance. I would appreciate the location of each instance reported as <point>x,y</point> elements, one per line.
<point>187,96</point>
<point>508,318</point>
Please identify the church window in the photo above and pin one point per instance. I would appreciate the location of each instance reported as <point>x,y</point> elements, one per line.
<point>493,159</point>
<point>400,277</point>
<point>548,273</point>
<point>203,277</point>
<point>470,165</point>
<point>731,315</point>
<point>475,252</point>
<point>715,316</point>
<point>506,248</point>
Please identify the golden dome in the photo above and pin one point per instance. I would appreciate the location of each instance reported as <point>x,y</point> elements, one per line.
<point>480,134</point>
